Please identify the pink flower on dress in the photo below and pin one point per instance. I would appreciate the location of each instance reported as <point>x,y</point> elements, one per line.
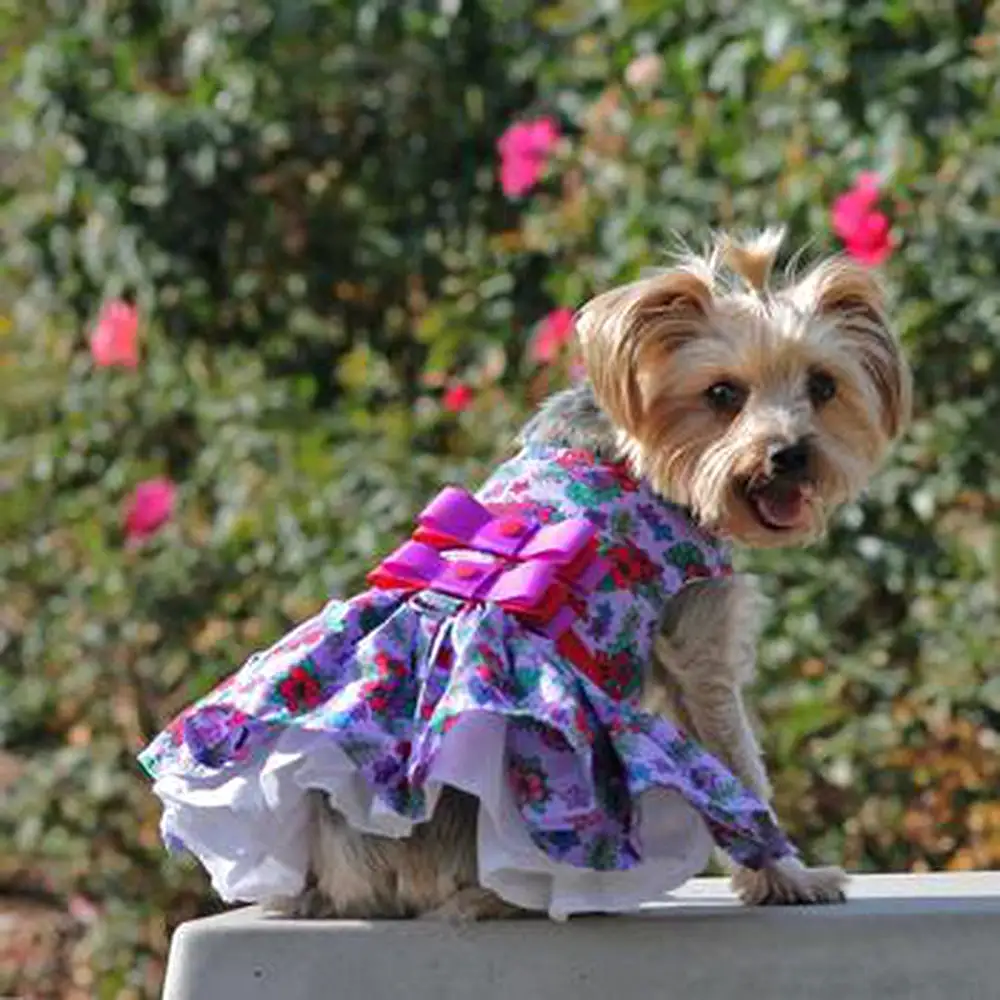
<point>524,150</point>
<point>300,689</point>
<point>857,220</point>
<point>150,507</point>
<point>115,340</point>
<point>528,780</point>
<point>457,398</point>
<point>552,335</point>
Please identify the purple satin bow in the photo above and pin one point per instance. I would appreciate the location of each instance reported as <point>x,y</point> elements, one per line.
<point>462,549</point>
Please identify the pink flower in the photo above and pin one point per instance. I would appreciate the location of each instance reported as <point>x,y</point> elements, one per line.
<point>150,507</point>
<point>457,398</point>
<point>857,220</point>
<point>115,340</point>
<point>552,335</point>
<point>524,150</point>
<point>83,910</point>
<point>644,72</point>
<point>872,242</point>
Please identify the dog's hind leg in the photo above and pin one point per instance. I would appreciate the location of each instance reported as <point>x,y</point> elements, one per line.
<point>357,875</point>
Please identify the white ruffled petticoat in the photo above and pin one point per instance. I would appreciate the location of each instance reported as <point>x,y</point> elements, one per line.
<point>249,828</point>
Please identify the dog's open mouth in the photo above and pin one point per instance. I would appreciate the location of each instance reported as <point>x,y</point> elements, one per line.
<point>780,505</point>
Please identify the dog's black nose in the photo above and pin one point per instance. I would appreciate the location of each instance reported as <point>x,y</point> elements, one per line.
<point>789,460</point>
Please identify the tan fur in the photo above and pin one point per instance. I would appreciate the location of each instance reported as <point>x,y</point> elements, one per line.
<point>852,298</point>
<point>652,349</point>
<point>614,336</point>
<point>432,873</point>
<point>702,662</point>
<point>753,260</point>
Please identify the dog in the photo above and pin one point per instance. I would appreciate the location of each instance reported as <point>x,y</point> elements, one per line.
<point>760,406</point>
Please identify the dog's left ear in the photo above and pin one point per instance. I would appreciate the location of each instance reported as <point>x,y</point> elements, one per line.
<point>852,296</point>
<point>631,328</point>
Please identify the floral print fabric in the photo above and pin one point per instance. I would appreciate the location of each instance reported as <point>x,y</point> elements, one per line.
<point>387,674</point>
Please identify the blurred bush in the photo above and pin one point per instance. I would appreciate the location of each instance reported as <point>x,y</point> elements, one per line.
<point>339,309</point>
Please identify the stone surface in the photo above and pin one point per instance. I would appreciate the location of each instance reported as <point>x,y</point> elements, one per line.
<point>900,937</point>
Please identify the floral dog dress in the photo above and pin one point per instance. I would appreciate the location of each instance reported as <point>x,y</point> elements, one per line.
<point>500,651</point>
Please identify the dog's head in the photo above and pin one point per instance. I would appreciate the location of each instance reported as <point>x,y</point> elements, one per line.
<point>759,407</point>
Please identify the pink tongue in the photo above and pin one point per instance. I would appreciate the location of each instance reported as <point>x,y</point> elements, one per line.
<point>781,507</point>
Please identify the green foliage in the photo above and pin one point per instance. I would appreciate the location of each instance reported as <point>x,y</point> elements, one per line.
<point>300,197</point>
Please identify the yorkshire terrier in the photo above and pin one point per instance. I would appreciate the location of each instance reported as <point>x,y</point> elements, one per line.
<point>759,405</point>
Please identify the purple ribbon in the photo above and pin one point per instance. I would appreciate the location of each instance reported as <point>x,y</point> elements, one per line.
<point>509,561</point>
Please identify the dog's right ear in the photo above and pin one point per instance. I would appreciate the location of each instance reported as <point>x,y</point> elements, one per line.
<point>631,328</point>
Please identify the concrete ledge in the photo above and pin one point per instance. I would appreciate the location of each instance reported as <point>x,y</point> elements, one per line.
<point>900,937</point>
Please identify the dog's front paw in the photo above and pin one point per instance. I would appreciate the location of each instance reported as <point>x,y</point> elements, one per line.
<point>789,882</point>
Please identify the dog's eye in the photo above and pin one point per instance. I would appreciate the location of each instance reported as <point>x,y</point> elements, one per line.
<point>726,397</point>
<point>822,388</point>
